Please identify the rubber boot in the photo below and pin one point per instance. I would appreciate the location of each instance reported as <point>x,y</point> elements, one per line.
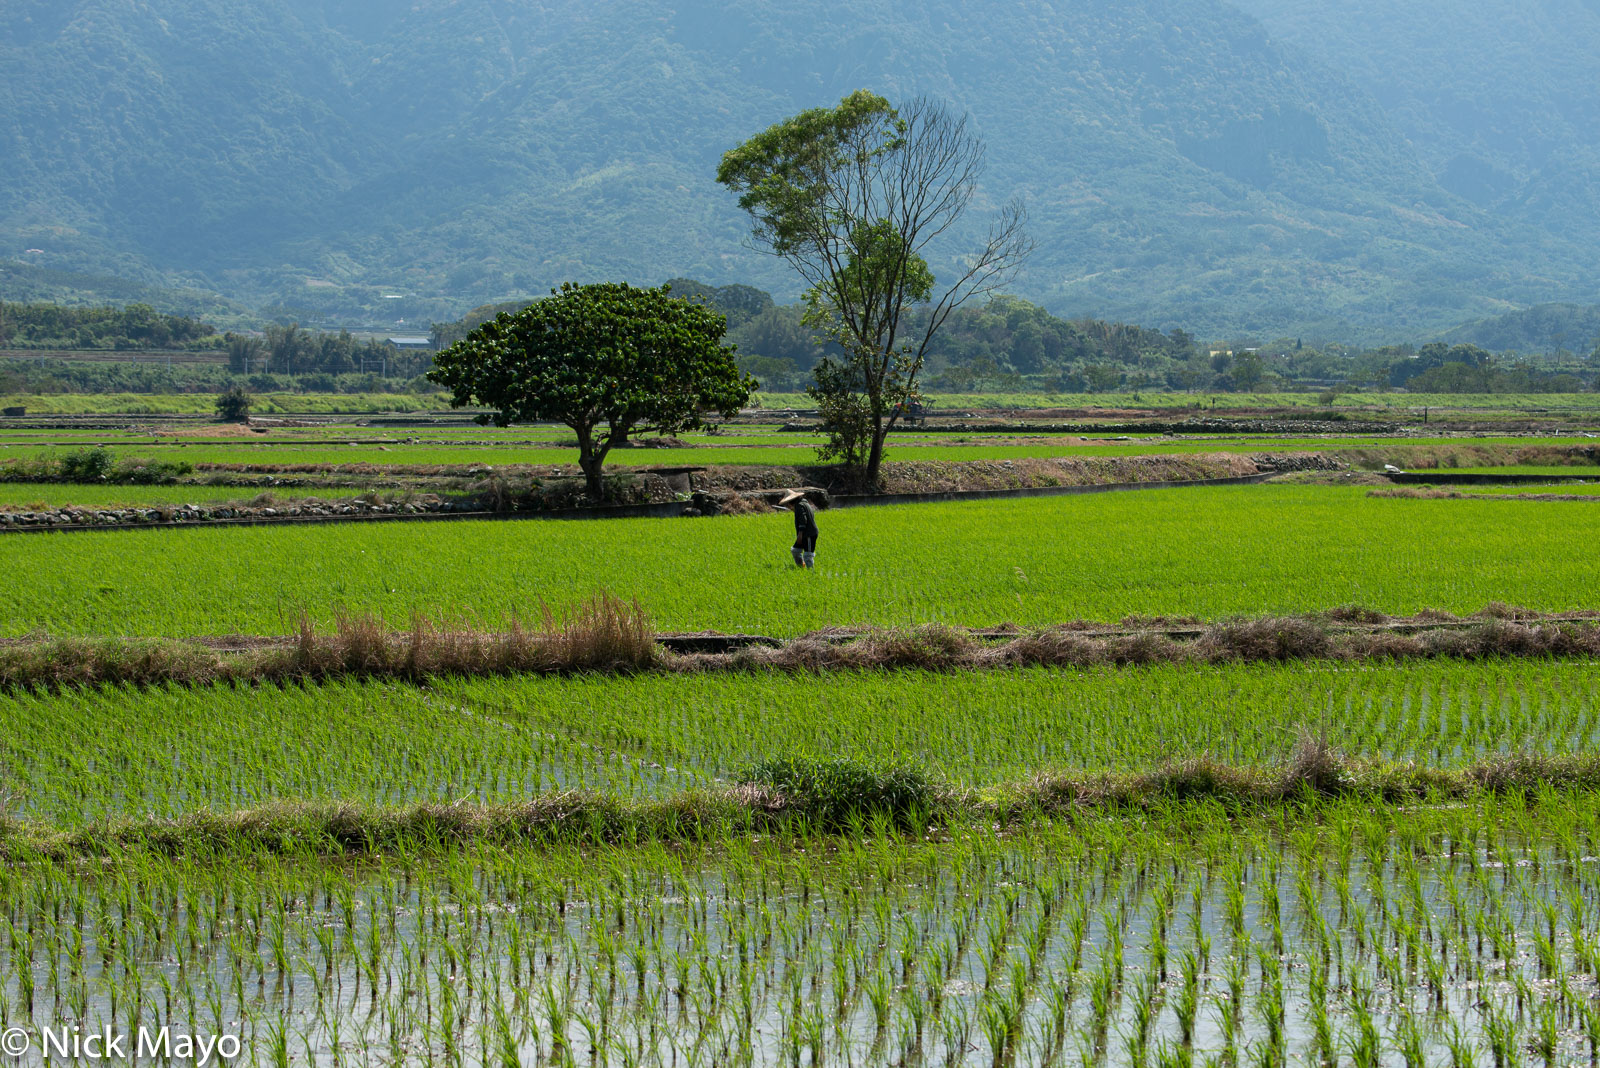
<point>810,559</point>
<point>799,557</point>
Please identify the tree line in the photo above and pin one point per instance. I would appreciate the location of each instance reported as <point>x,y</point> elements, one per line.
<point>1436,367</point>
<point>134,327</point>
<point>22,375</point>
<point>293,350</point>
<point>1009,344</point>
<point>1006,344</point>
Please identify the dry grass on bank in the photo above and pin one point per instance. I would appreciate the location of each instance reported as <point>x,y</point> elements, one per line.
<point>603,633</point>
<point>606,634</point>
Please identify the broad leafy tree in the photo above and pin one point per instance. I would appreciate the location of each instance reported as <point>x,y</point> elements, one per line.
<point>233,405</point>
<point>853,197</point>
<point>603,359</point>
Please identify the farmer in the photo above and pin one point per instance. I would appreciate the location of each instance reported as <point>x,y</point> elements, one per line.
<point>805,529</point>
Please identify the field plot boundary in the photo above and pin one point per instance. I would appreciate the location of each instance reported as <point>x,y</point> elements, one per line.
<point>1311,771</point>
<point>856,500</point>
<point>1444,477</point>
<point>713,641</point>
<point>608,636</point>
<point>667,510</point>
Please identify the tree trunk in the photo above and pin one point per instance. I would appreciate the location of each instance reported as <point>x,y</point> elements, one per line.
<point>880,430</point>
<point>591,460</point>
<point>592,467</point>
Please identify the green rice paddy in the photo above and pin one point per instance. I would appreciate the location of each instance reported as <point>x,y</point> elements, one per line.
<point>743,446</point>
<point>1586,489</point>
<point>794,451</point>
<point>375,403</point>
<point>84,756</point>
<point>1210,553</point>
<point>1364,937</point>
<point>205,403</point>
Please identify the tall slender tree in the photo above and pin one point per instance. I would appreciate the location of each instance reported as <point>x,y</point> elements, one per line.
<point>853,197</point>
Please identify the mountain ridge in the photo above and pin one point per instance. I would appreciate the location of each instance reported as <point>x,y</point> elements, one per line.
<point>1182,167</point>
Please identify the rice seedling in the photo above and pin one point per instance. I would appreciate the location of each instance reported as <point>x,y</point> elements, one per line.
<point>752,951</point>
<point>86,755</point>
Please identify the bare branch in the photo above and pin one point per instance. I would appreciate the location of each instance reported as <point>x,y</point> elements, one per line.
<point>1005,250</point>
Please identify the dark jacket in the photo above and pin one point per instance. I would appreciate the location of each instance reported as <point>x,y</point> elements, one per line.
<point>805,517</point>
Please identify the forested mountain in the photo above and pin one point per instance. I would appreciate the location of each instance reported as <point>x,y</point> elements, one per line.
<point>1499,97</point>
<point>1543,328</point>
<point>367,160</point>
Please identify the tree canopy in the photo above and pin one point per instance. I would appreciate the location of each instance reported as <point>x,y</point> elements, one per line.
<point>590,355</point>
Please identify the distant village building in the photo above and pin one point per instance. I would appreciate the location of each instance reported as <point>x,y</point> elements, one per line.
<point>411,343</point>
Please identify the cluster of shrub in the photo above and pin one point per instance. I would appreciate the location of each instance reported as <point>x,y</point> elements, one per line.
<point>1132,358</point>
<point>1287,364</point>
<point>1440,368</point>
<point>95,465</point>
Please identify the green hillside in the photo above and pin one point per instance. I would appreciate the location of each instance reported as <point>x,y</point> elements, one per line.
<point>333,162</point>
<point>1498,96</point>
<point>1543,328</point>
